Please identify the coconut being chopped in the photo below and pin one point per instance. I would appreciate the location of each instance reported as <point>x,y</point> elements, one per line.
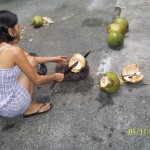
<point>80,72</point>
<point>81,62</point>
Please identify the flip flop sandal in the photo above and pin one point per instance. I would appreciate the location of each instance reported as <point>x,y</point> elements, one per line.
<point>42,69</point>
<point>38,112</point>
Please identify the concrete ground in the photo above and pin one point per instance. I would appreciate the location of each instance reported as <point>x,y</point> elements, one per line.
<point>83,117</point>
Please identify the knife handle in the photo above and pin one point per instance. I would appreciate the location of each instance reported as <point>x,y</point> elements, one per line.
<point>52,85</point>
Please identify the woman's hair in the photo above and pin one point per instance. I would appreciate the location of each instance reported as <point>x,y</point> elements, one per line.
<point>7,20</point>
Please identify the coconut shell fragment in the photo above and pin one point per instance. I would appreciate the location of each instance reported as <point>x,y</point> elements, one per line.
<point>47,21</point>
<point>131,73</point>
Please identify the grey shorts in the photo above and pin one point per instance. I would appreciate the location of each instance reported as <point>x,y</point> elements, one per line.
<point>18,103</point>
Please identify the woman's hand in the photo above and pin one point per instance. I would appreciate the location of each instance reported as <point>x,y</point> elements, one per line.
<point>61,59</point>
<point>59,77</point>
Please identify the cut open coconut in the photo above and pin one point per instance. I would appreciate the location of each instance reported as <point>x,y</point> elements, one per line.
<point>131,73</point>
<point>81,62</point>
<point>109,83</point>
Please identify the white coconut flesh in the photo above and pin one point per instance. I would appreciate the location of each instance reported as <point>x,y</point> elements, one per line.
<point>138,73</point>
<point>81,63</point>
<point>47,20</point>
<point>132,74</point>
<point>104,82</point>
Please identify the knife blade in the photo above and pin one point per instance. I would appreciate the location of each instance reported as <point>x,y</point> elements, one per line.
<point>75,64</point>
<point>87,54</point>
<point>71,67</point>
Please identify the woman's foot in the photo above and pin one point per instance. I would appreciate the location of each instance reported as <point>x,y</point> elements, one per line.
<point>36,109</point>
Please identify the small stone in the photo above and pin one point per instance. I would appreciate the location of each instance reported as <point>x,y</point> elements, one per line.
<point>130,90</point>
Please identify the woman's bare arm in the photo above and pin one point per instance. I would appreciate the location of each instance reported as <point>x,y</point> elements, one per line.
<point>21,60</point>
<point>41,60</point>
<point>57,59</point>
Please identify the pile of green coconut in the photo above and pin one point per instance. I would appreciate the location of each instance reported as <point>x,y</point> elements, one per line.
<point>116,32</point>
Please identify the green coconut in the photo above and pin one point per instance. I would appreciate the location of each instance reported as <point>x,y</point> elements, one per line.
<point>109,83</point>
<point>123,21</point>
<point>116,27</point>
<point>37,21</point>
<point>115,39</point>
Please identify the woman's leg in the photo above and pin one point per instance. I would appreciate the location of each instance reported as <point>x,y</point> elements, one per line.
<point>29,86</point>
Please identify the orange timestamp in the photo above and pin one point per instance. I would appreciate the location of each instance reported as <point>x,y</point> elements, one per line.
<point>139,131</point>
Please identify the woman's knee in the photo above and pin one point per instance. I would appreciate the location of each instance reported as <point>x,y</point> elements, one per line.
<point>32,60</point>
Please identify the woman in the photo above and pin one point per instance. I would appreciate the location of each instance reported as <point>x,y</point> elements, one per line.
<point>18,72</point>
